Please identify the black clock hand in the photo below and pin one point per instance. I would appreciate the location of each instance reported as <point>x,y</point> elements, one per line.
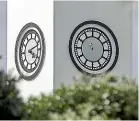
<point>91,45</point>
<point>32,53</point>
<point>32,48</point>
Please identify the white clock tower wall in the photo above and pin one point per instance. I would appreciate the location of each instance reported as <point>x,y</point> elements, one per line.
<point>21,12</point>
<point>116,15</point>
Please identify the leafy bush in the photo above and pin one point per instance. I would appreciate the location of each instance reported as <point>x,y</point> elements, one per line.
<point>10,101</point>
<point>105,97</point>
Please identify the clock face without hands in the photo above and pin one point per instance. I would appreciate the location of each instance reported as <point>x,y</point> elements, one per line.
<point>30,51</point>
<point>93,48</point>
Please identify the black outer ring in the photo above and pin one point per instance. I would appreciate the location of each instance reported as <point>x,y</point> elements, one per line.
<point>32,77</point>
<point>108,29</point>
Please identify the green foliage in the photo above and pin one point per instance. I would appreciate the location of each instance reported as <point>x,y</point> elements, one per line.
<point>105,97</point>
<point>10,102</point>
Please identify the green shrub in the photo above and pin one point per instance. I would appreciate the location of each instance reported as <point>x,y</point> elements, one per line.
<point>105,97</point>
<point>10,101</point>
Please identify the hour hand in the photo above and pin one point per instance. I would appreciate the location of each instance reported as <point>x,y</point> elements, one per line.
<point>91,45</point>
<point>33,54</point>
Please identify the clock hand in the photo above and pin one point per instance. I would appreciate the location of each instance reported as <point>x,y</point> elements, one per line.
<point>91,45</point>
<point>32,48</point>
<point>32,53</point>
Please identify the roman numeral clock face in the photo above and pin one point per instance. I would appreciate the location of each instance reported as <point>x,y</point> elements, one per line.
<point>93,48</point>
<point>30,51</point>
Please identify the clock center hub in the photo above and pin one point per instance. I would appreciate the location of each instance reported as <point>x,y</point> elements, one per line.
<point>92,49</point>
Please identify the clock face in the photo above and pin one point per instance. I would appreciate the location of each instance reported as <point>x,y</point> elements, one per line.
<point>30,51</point>
<point>93,48</point>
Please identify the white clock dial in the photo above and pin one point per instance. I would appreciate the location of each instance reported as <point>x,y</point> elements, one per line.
<point>93,48</point>
<point>30,51</point>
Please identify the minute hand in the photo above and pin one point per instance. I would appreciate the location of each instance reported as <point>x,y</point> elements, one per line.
<point>32,48</point>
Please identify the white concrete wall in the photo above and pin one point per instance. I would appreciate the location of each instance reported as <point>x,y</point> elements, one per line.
<point>117,15</point>
<point>135,40</point>
<point>21,12</point>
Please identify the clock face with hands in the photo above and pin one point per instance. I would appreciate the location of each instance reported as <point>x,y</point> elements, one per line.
<point>30,51</point>
<point>93,48</point>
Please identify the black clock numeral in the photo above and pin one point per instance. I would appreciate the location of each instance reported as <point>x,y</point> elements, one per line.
<point>99,63</point>
<point>104,57</point>
<point>92,64</point>
<point>78,47</point>
<point>106,50</point>
<point>27,39</point>
<point>80,40</point>
<point>23,52</point>
<point>31,66</point>
<point>105,42</point>
<point>99,35</point>
<point>80,55</point>
<point>85,62</point>
<point>92,33</point>
<point>85,35</point>
<point>26,65</point>
<point>30,36</point>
